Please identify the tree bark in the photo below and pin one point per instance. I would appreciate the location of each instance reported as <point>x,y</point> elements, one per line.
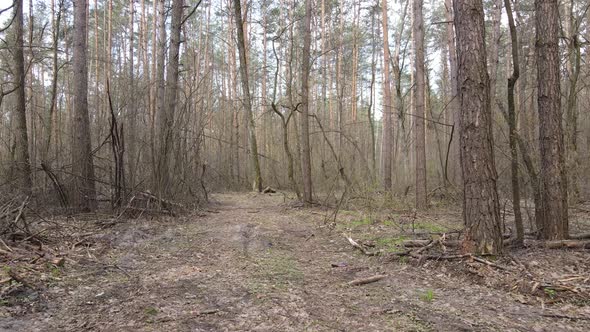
<point>512,127</point>
<point>305,145</point>
<point>453,106</point>
<point>387,110</point>
<point>247,101</point>
<point>21,153</point>
<point>419,114</point>
<point>82,164</point>
<point>554,222</point>
<point>481,209</point>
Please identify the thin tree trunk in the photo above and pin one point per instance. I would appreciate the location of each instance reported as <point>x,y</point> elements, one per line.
<point>512,127</point>
<point>247,101</point>
<point>419,114</point>
<point>386,146</point>
<point>305,145</point>
<point>82,164</point>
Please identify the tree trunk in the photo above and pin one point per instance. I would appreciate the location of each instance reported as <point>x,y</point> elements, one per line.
<point>419,114</point>
<point>481,209</point>
<point>247,100</point>
<point>387,144</point>
<point>84,194</point>
<point>21,153</point>
<point>305,145</point>
<point>453,106</point>
<point>512,127</point>
<point>554,224</point>
<point>131,111</point>
<point>161,173</point>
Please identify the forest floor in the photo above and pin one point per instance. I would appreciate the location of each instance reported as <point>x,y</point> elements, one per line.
<point>253,262</point>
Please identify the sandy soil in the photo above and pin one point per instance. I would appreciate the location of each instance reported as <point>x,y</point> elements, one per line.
<point>255,263</point>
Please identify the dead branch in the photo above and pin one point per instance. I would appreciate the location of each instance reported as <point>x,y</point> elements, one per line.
<point>360,247</point>
<point>368,280</point>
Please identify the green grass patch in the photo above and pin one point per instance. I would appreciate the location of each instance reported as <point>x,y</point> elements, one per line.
<point>430,227</point>
<point>355,223</point>
<point>275,269</point>
<point>427,296</point>
<point>390,244</point>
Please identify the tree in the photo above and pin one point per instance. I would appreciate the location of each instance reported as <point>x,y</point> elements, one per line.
<point>419,114</point>
<point>22,162</point>
<point>167,115</point>
<point>386,143</point>
<point>82,164</point>
<point>554,222</point>
<point>481,209</point>
<point>305,68</point>
<point>247,99</point>
<point>511,116</point>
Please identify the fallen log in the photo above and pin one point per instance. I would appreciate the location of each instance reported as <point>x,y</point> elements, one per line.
<point>570,244</point>
<point>581,236</point>
<point>423,243</point>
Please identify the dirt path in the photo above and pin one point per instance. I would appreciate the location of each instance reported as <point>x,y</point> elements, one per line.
<point>255,264</point>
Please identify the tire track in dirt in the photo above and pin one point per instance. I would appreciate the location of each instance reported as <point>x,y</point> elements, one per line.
<point>256,264</point>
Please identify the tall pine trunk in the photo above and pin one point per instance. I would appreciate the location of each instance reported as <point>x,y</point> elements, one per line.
<point>481,208</point>
<point>554,221</point>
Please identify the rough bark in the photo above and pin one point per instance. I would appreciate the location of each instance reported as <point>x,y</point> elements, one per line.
<point>21,154</point>
<point>481,210</point>
<point>554,222</point>
<point>84,193</point>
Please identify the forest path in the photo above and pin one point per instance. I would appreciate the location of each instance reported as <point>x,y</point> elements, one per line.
<point>254,263</point>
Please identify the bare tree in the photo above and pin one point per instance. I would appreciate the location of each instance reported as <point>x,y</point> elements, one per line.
<point>511,116</point>
<point>387,140</point>
<point>84,194</point>
<point>481,209</point>
<point>419,114</point>
<point>247,99</point>
<point>554,221</point>
<point>305,146</point>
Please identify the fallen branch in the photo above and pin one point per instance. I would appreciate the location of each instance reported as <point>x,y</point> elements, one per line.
<point>571,244</point>
<point>364,281</point>
<point>565,317</point>
<point>360,247</point>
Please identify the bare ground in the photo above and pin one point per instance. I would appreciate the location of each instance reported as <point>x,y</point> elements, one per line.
<point>255,263</point>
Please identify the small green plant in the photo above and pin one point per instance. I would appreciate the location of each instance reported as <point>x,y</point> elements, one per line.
<point>403,260</point>
<point>391,244</point>
<point>550,292</point>
<point>150,311</point>
<point>428,296</point>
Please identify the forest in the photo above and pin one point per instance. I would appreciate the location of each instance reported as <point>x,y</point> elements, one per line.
<point>296,165</point>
